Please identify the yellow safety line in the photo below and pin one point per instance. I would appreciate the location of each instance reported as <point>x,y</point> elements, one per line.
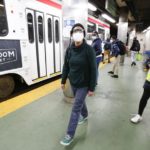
<point>18,102</point>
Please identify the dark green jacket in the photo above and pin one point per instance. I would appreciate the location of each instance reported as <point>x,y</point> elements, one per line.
<point>80,66</point>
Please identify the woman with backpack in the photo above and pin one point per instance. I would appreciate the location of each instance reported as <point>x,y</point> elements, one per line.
<point>116,53</point>
<point>135,48</point>
<point>80,68</point>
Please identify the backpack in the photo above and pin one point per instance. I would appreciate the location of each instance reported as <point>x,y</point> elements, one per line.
<point>107,46</point>
<point>122,47</point>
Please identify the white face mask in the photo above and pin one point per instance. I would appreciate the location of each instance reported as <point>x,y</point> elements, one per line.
<point>77,37</point>
<point>111,41</point>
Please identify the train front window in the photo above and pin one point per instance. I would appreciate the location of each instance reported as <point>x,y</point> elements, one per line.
<point>91,27</point>
<point>3,19</point>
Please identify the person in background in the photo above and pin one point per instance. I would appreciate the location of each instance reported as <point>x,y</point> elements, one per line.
<point>116,53</point>
<point>146,95</point>
<point>123,51</point>
<point>97,45</point>
<point>80,68</point>
<point>135,48</point>
<point>107,49</point>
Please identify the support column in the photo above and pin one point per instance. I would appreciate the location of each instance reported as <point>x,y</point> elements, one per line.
<point>123,29</point>
<point>123,24</point>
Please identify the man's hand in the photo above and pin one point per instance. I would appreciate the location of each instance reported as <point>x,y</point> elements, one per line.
<point>90,93</point>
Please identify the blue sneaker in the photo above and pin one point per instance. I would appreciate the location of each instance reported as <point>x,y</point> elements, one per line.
<point>82,119</point>
<point>66,140</point>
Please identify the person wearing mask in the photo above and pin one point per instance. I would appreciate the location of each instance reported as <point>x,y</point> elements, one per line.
<point>135,48</point>
<point>107,49</point>
<point>116,53</point>
<point>96,44</point>
<point>143,102</point>
<point>80,68</point>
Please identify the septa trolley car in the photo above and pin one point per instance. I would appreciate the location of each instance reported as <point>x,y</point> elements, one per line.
<point>30,42</point>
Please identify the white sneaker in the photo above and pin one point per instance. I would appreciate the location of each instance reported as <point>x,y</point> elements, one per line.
<point>136,119</point>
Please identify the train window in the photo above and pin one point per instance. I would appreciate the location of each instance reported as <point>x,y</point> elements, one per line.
<point>3,20</point>
<point>30,27</point>
<point>57,31</point>
<point>49,30</point>
<point>40,29</point>
<point>91,27</point>
<point>101,33</point>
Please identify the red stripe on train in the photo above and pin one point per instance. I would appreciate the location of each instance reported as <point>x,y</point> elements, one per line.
<point>97,22</point>
<point>51,3</point>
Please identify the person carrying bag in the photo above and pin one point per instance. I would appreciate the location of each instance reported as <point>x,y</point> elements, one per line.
<point>80,68</point>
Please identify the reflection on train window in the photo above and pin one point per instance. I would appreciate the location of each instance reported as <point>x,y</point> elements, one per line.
<point>3,19</point>
<point>91,27</point>
<point>49,30</point>
<point>57,31</point>
<point>101,33</point>
<point>40,29</point>
<point>30,27</point>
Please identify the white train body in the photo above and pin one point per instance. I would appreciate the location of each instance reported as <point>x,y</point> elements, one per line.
<point>32,47</point>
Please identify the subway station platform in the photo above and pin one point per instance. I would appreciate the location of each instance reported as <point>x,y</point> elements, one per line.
<point>41,124</point>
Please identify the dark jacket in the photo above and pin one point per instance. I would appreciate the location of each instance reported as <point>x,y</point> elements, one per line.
<point>80,66</point>
<point>97,45</point>
<point>115,49</point>
<point>107,45</point>
<point>135,46</point>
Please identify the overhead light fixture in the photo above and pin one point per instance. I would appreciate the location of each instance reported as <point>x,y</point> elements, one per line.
<point>1,5</point>
<point>144,30</point>
<point>148,28</point>
<point>92,7</point>
<point>108,18</point>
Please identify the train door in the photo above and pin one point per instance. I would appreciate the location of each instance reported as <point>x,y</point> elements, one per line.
<point>49,44</point>
<point>36,43</point>
<point>101,33</point>
<point>32,43</point>
<point>40,44</point>
<point>53,53</point>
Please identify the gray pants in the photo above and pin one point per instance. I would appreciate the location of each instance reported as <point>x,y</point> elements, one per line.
<point>79,108</point>
<point>133,56</point>
<point>122,58</point>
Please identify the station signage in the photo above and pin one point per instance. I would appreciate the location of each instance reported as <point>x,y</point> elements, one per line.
<point>7,55</point>
<point>10,55</point>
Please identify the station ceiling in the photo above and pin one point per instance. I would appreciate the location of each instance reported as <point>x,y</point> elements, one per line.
<point>139,10</point>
